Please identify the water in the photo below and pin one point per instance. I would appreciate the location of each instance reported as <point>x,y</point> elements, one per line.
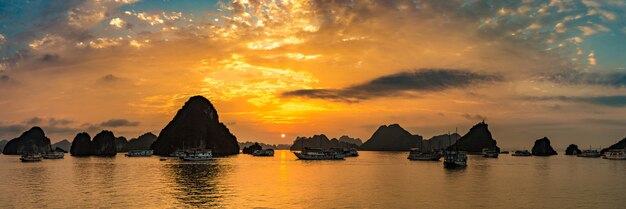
<point>372,180</point>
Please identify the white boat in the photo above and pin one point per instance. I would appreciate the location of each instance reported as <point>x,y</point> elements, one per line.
<point>589,153</point>
<point>264,152</point>
<point>489,153</point>
<point>416,154</point>
<point>454,159</point>
<point>53,155</point>
<point>31,157</point>
<point>139,153</point>
<point>319,154</point>
<point>521,153</point>
<point>198,155</point>
<point>350,152</point>
<point>615,154</point>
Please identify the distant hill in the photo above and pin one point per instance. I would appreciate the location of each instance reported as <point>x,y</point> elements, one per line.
<point>478,138</point>
<point>65,145</point>
<point>391,138</point>
<point>347,139</point>
<point>440,141</point>
<point>2,143</point>
<point>619,145</point>
<point>266,146</point>
<point>320,141</point>
<point>142,142</point>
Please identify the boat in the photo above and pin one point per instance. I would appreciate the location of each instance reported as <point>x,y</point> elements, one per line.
<point>178,154</point>
<point>416,154</point>
<point>198,155</point>
<point>453,157</point>
<point>489,153</point>
<point>139,153</point>
<point>31,157</point>
<point>615,154</point>
<point>319,154</point>
<point>351,152</point>
<point>162,159</point>
<point>589,153</point>
<point>263,152</point>
<point>521,153</point>
<point>53,155</point>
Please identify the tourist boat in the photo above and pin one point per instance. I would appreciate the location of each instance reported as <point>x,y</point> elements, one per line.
<point>454,159</point>
<point>31,157</point>
<point>350,152</point>
<point>589,153</point>
<point>264,152</point>
<point>178,154</point>
<point>319,154</point>
<point>615,154</point>
<point>53,155</point>
<point>198,155</point>
<point>139,153</point>
<point>490,153</point>
<point>521,153</point>
<point>416,154</point>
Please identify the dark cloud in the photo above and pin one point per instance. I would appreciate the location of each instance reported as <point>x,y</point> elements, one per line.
<point>50,57</point>
<point>609,101</point>
<point>109,78</point>
<point>118,123</point>
<point>603,121</point>
<point>400,84</point>
<point>613,79</point>
<point>475,117</point>
<point>6,79</point>
<point>11,130</point>
<point>33,121</point>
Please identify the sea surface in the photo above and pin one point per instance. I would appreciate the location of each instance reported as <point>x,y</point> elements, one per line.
<point>372,180</point>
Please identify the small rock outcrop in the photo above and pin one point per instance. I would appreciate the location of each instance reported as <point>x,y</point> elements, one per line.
<point>440,141</point>
<point>542,147</point>
<point>251,148</point>
<point>619,145</point>
<point>58,149</point>
<point>391,138</point>
<point>33,140</point>
<point>572,149</point>
<point>64,145</point>
<point>142,142</point>
<point>347,139</point>
<point>103,144</point>
<point>478,138</point>
<point>81,146</point>
<point>196,126</point>
<point>121,144</point>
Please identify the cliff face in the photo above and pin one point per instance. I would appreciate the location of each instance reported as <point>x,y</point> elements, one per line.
<point>619,145</point>
<point>81,146</point>
<point>33,140</point>
<point>121,144</point>
<point>572,149</point>
<point>143,142</point>
<point>320,141</point>
<point>478,138</point>
<point>391,138</point>
<point>103,144</point>
<point>196,126</point>
<point>251,148</point>
<point>542,147</point>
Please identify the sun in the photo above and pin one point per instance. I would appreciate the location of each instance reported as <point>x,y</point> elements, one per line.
<point>282,135</point>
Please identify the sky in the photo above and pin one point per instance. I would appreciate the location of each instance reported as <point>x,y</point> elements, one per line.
<point>529,68</point>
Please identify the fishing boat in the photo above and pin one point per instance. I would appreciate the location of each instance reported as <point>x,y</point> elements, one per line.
<point>264,152</point>
<point>31,157</point>
<point>350,152</point>
<point>198,155</point>
<point>521,153</point>
<point>453,157</point>
<point>139,153</point>
<point>53,155</point>
<point>589,153</point>
<point>490,153</point>
<point>416,154</point>
<point>615,154</point>
<point>319,154</point>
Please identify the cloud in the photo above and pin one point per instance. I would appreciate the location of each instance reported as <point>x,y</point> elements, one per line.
<point>114,123</point>
<point>604,121</point>
<point>616,101</point>
<point>475,117</point>
<point>571,77</point>
<point>401,84</point>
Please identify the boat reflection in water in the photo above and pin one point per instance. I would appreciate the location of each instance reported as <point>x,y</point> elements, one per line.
<point>196,184</point>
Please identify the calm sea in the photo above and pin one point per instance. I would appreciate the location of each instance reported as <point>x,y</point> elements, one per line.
<point>372,180</point>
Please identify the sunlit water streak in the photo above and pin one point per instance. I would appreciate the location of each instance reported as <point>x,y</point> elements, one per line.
<point>372,180</point>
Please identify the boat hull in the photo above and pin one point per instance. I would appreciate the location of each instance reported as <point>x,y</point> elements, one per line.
<point>454,164</point>
<point>196,159</point>
<point>319,157</point>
